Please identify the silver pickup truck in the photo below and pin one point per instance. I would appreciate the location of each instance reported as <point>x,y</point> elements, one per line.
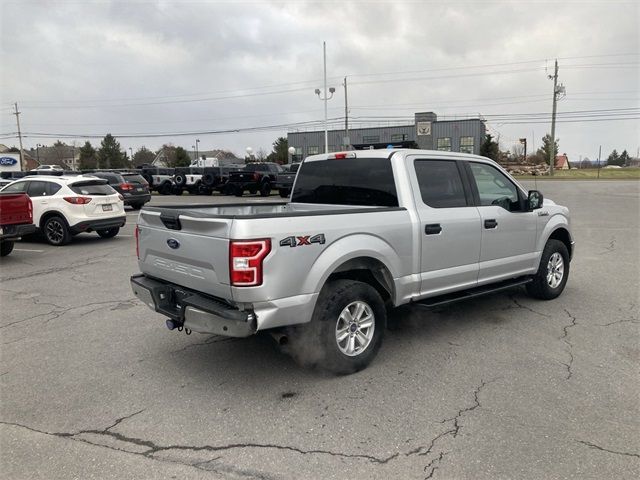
<point>364,231</point>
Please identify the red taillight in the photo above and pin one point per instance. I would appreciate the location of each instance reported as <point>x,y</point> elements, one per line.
<point>126,187</point>
<point>245,261</point>
<point>78,200</point>
<point>137,235</point>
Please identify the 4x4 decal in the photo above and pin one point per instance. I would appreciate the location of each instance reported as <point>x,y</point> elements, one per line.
<point>298,241</point>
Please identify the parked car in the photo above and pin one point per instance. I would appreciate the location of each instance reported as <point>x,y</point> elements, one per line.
<point>16,220</point>
<point>421,226</point>
<point>132,186</point>
<point>44,168</point>
<point>216,178</point>
<point>190,179</point>
<point>160,179</point>
<point>284,180</point>
<point>255,177</point>
<point>67,205</point>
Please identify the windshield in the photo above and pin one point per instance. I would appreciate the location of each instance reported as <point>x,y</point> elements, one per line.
<point>357,181</point>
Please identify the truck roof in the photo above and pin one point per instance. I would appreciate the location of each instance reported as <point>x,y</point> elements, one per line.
<point>387,152</point>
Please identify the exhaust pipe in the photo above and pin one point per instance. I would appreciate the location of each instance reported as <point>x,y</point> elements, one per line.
<point>172,324</point>
<point>280,338</point>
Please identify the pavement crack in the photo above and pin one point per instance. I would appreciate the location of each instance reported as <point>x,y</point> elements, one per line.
<point>568,344</point>
<point>432,466</point>
<point>524,307</point>
<point>615,452</point>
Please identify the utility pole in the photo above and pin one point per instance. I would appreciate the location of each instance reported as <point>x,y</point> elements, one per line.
<point>524,142</point>
<point>557,89</point>
<point>17,114</point>
<point>599,153</point>
<point>326,97</point>
<point>347,142</point>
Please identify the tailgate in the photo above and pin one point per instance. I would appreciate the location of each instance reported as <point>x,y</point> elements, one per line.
<point>193,253</point>
<point>241,177</point>
<point>15,209</point>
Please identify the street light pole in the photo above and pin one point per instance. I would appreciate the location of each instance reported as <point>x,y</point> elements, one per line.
<point>326,98</point>
<point>197,142</point>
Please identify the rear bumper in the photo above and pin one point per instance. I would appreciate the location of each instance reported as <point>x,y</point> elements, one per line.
<point>135,199</point>
<point>14,232</point>
<point>193,310</point>
<point>101,224</point>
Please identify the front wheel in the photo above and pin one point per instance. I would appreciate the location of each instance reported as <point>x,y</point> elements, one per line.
<point>553,272</point>
<point>6,247</point>
<point>108,232</point>
<point>284,192</point>
<point>346,331</point>
<point>56,231</point>
<point>265,189</point>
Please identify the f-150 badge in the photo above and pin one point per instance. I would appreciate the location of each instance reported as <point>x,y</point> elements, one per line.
<point>298,241</point>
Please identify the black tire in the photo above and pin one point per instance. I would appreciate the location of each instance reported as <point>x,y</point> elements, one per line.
<point>540,287</point>
<point>56,231</point>
<point>165,188</point>
<point>208,179</point>
<point>137,206</point>
<point>284,192</point>
<point>238,191</point>
<point>180,180</point>
<point>253,191</point>
<point>265,189</point>
<point>316,343</point>
<point>176,190</point>
<point>108,232</point>
<point>6,246</point>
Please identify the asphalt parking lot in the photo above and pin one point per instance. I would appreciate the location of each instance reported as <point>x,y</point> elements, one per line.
<point>505,387</point>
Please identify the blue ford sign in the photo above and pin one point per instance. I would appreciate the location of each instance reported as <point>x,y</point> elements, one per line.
<point>173,243</point>
<point>7,161</point>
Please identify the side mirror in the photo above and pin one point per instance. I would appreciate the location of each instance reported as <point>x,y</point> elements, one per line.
<point>534,200</point>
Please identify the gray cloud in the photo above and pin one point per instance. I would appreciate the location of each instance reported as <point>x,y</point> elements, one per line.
<point>98,53</point>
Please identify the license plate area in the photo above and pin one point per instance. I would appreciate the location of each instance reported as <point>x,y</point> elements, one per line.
<point>107,207</point>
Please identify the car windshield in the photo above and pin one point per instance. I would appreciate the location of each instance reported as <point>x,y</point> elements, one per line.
<point>92,187</point>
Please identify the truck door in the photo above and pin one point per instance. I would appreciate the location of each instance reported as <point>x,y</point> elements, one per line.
<point>449,226</point>
<point>508,229</point>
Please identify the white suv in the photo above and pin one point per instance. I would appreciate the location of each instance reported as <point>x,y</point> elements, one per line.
<point>67,205</point>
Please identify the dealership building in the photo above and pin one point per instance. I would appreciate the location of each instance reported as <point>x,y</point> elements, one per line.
<point>427,132</point>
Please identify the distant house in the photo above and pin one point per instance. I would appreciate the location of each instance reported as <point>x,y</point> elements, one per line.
<point>224,156</point>
<point>562,162</point>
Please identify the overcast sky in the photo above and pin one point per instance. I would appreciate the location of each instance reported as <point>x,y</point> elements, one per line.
<point>140,67</point>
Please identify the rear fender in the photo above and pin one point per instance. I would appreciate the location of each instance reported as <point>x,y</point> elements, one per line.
<point>346,249</point>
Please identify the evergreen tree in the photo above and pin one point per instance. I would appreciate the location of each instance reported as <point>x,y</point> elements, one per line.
<point>88,157</point>
<point>280,152</point>
<point>624,158</point>
<point>109,154</point>
<point>614,158</point>
<point>489,148</point>
<point>143,156</point>
<point>182,158</point>
<point>545,150</point>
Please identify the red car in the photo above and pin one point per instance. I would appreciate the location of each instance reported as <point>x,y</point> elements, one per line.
<point>16,220</point>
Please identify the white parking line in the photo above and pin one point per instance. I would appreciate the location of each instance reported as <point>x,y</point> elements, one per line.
<point>125,235</point>
<point>27,250</point>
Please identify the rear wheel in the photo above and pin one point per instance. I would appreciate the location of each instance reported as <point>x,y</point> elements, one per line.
<point>56,231</point>
<point>284,193</point>
<point>6,246</point>
<point>238,191</point>
<point>346,331</point>
<point>165,188</point>
<point>137,206</point>
<point>553,272</point>
<point>108,232</point>
<point>265,189</point>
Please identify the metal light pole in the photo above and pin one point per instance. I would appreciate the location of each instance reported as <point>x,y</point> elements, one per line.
<point>292,153</point>
<point>197,142</point>
<point>326,98</point>
<point>131,152</point>
<point>38,152</point>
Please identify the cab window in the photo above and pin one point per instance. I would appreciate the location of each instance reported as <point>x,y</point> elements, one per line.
<point>494,188</point>
<point>37,189</point>
<point>440,183</point>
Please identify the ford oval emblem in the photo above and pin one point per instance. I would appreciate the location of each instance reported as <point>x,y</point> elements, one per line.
<point>173,243</point>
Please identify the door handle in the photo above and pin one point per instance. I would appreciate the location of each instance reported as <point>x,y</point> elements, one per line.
<point>432,229</point>
<point>491,223</point>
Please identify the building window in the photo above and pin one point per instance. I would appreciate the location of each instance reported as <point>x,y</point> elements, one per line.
<point>466,144</point>
<point>298,152</point>
<point>444,144</point>
<point>371,139</point>
<point>398,137</point>
<point>313,150</point>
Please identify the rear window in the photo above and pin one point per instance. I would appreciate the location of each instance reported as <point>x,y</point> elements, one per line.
<point>92,188</point>
<point>134,178</point>
<point>256,167</point>
<point>357,181</point>
<point>112,178</point>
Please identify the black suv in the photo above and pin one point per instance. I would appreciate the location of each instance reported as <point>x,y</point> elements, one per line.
<point>132,186</point>
<point>255,177</point>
